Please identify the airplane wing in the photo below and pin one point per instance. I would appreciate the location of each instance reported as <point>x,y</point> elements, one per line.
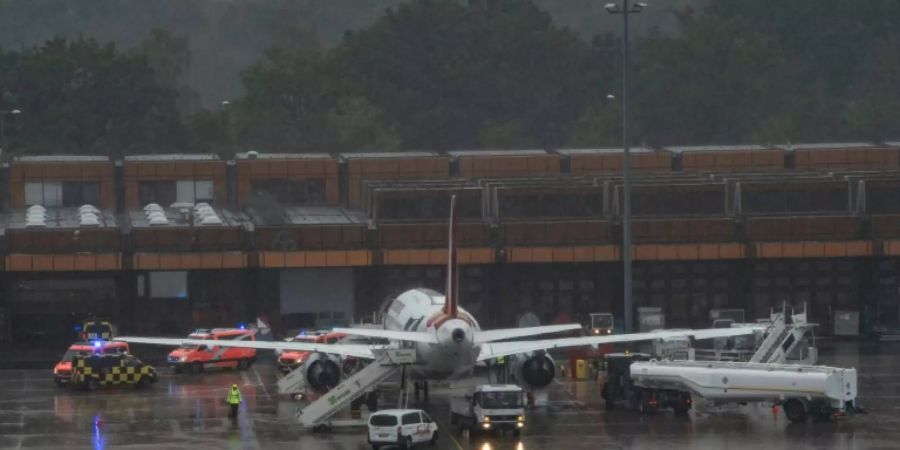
<point>414,336</point>
<point>509,333</point>
<point>355,350</point>
<point>497,349</point>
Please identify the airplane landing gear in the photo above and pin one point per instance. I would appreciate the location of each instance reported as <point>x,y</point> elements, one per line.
<point>422,386</point>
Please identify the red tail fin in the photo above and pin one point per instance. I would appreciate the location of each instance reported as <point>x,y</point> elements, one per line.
<point>451,303</point>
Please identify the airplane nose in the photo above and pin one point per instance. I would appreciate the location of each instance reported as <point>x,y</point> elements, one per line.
<point>458,335</point>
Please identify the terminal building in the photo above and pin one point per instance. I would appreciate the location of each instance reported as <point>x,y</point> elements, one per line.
<point>162,244</point>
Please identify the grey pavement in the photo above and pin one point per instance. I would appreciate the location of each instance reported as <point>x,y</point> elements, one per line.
<point>185,411</point>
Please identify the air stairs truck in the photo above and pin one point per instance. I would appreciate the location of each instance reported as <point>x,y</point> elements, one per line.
<point>638,382</point>
<point>318,414</point>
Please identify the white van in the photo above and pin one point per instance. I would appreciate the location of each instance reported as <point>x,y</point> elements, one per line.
<point>401,427</point>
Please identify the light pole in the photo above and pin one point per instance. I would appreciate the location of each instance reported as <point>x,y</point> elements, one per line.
<point>625,10</point>
<point>3,114</point>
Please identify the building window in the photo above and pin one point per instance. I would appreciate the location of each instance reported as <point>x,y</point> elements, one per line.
<point>66,193</point>
<point>291,192</point>
<point>77,193</point>
<point>183,191</point>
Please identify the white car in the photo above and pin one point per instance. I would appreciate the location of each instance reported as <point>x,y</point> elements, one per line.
<point>401,427</point>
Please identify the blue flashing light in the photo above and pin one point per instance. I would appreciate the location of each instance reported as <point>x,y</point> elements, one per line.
<point>76,328</point>
<point>97,344</point>
<point>242,326</point>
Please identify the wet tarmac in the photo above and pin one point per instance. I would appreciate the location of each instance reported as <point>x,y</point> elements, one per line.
<point>184,411</point>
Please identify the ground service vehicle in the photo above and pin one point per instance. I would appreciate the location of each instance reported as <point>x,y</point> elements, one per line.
<point>62,372</point>
<point>802,390</point>
<point>490,407</point>
<point>602,323</point>
<point>91,372</point>
<point>619,388</point>
<point>196,357</point>
<point>289,360</point>
<point>402,427</point>
<point>97,330</point>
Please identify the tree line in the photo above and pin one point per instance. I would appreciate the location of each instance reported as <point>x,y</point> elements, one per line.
<point>444,74</point>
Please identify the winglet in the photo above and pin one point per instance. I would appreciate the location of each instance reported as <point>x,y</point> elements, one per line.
<point>451,307</point>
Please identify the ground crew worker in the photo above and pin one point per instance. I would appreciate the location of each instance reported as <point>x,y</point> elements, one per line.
<point>233,400</point>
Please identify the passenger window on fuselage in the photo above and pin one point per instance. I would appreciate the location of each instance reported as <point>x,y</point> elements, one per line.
<point>410,419</point>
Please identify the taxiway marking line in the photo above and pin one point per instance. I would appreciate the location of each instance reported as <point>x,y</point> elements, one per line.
<point>259,378</point>
<point>450,433</point>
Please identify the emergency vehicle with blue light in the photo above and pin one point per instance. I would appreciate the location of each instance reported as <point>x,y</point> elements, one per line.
<point>195,358</point>
<point>62,372</point>
<point>289,360</point>
<point>93,371</point>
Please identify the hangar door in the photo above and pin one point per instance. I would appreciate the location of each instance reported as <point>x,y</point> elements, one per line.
<point>46,311</point>
<point>316,298</point>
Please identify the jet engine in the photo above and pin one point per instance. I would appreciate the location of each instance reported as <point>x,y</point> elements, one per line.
<point>322,372</point>
<point>536,370</point>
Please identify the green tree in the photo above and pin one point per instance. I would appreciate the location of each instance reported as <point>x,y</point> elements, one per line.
<point>451,76</point>
<point>81,97</point>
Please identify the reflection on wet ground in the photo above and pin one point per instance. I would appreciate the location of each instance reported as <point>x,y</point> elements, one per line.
<point>184,411</point>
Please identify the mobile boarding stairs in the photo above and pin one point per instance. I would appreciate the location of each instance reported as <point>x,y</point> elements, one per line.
<point>319,413</point>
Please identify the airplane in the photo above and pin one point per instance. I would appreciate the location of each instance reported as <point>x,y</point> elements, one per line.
<point>447,339</point>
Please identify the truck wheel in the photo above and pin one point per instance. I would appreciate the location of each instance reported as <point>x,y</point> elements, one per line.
<point>604,392</point>
<point>144,383</point>
<point>93,384</point>
<point>59,383</point>
<point>372,401</point>
<point>196,368</point>
<point>243,364</point>
<point>178,368</point>
<point>434,439</point>
<point>795,410</point>
<point>453,419</point>
<point>407,444</point>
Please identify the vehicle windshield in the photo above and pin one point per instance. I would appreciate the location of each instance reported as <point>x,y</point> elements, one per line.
<point>602,321</point>
<point>71,354</point>
<point>501,399</point>
<point>97,328</point>
<point>189,346</point>
<point>383,420</point>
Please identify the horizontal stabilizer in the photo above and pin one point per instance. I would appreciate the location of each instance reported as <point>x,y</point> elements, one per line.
<point>510,333</point>
<point>358,351</point>
<point>409,336</point>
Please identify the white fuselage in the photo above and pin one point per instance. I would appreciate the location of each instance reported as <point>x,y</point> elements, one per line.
<point>454,354</point>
